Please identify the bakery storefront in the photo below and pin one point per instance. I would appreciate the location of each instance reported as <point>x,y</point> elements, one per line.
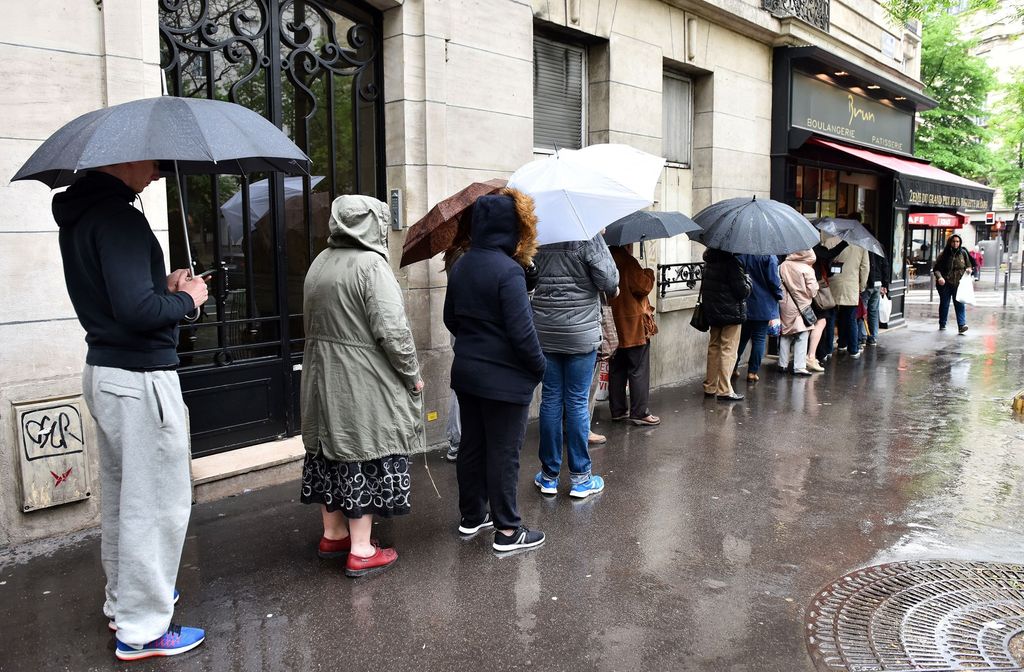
<point>843,143</point>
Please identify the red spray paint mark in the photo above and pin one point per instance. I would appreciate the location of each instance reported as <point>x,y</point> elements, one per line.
<point>57,480</point>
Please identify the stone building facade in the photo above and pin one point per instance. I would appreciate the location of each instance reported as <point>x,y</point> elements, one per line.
<point>447,96</point>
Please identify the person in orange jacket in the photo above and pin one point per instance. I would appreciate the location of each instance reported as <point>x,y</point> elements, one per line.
<point>634,323</point>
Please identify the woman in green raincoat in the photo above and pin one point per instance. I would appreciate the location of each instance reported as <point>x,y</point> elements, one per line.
<point>361,404</point>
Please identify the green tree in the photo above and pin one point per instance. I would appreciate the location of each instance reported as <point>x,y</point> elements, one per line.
<point>901,11</point>
<point>1008,130</point>
<point>951,135</point>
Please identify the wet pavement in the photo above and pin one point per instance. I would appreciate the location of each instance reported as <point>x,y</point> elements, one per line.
<point>714,532</point>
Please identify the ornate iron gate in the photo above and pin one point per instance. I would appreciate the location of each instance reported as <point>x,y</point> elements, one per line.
<point>313,67</point>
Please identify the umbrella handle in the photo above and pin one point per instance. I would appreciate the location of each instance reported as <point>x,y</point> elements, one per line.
<point>194,315</point>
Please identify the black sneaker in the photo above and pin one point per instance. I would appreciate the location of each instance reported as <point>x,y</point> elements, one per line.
<point>521,538</point>
<point>466,527</point>
<point>963,329</point>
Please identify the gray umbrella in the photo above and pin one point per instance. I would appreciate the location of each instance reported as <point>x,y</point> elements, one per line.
<point>852,232</point>
<point>201,136</point>
<point>751,226</point>
<point>644,225</point>
<point>187,135</point>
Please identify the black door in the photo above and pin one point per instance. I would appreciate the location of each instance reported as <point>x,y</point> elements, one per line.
<point>313,67</point>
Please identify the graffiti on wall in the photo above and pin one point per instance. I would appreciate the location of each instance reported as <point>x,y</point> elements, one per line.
<point>53,452</point>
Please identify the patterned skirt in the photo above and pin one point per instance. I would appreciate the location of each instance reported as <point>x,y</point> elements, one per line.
<point>374,487</point>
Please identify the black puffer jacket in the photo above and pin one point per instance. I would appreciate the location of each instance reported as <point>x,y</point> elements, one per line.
<point>725,289</point>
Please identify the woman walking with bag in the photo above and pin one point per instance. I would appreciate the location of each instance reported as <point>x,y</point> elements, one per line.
<point>950,268</point>
<point>798,290</point>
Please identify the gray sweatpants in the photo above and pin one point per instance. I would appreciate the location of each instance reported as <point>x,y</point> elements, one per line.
<point>146,493</point>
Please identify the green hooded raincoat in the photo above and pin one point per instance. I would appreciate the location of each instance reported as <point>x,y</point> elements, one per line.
<point>359,364</point>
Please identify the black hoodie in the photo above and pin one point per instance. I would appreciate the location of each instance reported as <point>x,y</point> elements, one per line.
<point>116,277</point>
<point>497,353</point>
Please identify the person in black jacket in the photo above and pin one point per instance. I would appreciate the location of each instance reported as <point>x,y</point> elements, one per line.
<point>877,287</point>
<point>822,345</point>
<point>498,364</point>
<point>130,308</point>
<point>725,288</point>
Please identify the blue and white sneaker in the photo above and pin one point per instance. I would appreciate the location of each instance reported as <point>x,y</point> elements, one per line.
<point>588,487</point>
<point>177,639</point>
<point>113,626</point>
<point>548,486</point>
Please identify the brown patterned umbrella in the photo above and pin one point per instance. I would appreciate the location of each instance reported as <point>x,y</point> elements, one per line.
<point>435,232</point>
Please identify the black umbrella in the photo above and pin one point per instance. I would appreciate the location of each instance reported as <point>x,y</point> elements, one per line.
<point>187,135</point>
<point>751,226</point>
<point>852,232</point>
<point>190,135</point>
<point>643,225</point>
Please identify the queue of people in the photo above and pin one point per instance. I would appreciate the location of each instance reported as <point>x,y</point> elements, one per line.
<point>809,298</point>
<point>520,316</point>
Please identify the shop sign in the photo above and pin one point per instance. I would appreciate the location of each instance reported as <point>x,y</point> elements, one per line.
<point>934,220</point>
<point>941,195</point>
<point>831,111</point>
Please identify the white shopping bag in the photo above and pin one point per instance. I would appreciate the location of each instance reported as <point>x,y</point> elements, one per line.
<point>965,291</point>
<point>884,309</point>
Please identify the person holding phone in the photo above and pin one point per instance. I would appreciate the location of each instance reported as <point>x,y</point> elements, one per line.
<point>130,309</point>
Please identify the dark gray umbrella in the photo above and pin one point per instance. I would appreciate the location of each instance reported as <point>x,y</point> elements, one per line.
<point>187,135</point>
<point>202,136</point>
<point>643,225</point>
<point>852,232</point>
<point>751,226</point>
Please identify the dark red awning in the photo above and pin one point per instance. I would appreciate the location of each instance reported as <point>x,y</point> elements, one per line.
<point>922,184</point>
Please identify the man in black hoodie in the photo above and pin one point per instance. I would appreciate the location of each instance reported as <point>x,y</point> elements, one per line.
<point>130,308</point>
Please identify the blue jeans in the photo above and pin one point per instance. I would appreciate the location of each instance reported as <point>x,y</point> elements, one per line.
<point>870,297</point>
<point>564,398</point>
<point>756,332</point>
<point>847,320</point>
<point>947,292</point>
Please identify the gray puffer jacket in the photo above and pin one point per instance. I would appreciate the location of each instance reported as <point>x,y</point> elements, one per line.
<point>566,307</point>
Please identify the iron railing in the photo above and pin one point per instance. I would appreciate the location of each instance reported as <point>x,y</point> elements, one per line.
<point>671,275</point>
<point>814,12</point>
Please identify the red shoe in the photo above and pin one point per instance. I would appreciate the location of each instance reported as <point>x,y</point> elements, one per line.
<point>334,548</point>
<point>378,562</point>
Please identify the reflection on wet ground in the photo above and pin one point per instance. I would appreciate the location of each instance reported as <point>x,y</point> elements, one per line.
<point>713,533</point>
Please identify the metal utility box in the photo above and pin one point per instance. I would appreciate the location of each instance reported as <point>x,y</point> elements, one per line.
<point>51,445</point>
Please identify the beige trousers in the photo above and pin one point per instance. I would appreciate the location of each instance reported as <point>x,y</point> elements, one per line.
<point>721,358</point>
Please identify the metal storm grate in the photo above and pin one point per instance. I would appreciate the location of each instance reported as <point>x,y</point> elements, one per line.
<point>917,616</point>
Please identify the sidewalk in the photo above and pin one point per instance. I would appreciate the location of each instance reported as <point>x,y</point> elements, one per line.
<point>714,532</point>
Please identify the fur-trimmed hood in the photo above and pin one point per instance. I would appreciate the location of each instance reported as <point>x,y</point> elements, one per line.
<point>505,221</point>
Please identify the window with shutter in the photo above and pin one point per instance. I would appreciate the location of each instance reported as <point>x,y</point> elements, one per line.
<point>676,118</point>
<point>558,99</point>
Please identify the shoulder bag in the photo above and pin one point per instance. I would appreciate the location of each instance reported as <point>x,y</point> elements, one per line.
<point>609,334</point>
<point>698,321</point>
<point>806,312</point>
<point>823,299</point>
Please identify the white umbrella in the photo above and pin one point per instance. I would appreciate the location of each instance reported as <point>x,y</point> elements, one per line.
<point>579,192</point>
<point>259,204</point>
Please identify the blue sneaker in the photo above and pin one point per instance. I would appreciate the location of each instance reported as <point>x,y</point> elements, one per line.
<point>549,486</point>
<point>587,488</point>
<point>177,639</point>
<point>113,626</point>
